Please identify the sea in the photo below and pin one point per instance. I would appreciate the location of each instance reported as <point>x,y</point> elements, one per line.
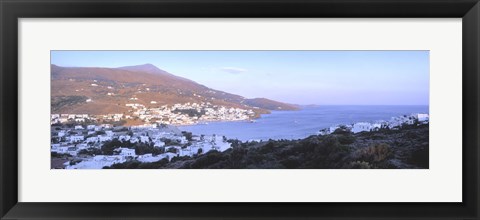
<point>301,123</point>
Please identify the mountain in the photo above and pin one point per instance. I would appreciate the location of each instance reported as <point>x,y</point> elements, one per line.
<point>269,104</point>
<point>108,90</point>
<point>149,68</point>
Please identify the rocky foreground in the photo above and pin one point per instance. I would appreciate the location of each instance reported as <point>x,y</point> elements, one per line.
<point>404,148</point>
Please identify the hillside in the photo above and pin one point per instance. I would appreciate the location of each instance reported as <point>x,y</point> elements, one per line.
<point>269,104</point>
<point>405,148</point>
<point>110,89</point>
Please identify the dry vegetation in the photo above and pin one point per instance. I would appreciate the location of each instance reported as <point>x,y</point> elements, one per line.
<point>146,83</point>
<point>406,148</point>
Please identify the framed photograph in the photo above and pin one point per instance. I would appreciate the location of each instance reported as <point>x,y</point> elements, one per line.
<point>143,117</point>
<point>256,109</point>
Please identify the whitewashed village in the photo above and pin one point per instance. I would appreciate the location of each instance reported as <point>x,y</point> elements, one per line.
<point>84,141</point>
<point>394,123</point>
<point>178,114</point>
<point>94,145</point>
<point>161,141</point>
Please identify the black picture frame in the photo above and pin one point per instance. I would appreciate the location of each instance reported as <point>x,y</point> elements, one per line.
<point>12,10</point>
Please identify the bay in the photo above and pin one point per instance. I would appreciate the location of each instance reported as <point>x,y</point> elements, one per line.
<point>301,123</point>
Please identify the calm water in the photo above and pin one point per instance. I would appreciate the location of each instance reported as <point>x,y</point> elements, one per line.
<point>302,123</point>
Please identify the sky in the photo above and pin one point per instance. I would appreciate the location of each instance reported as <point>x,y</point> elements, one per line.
<point>297,77</point>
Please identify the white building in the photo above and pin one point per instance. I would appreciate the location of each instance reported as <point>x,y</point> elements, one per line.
<point>76,138</point>
<point>423,117</point>
<point>133,140</point>
<point>104,138</point>
<point>126,152</point>
<point>61,133</point>
<point>144,139</point>
<point>79,119</point>
<point>97,162</point>
<point>183,139</point>
<point>159,143</point>
<point>92,139</point>
<point>63,120</point>
<point>124,137</point>
<point>82,146</point>
<point>169,155</point>
<point>148,158</point>
<point>62,149</point>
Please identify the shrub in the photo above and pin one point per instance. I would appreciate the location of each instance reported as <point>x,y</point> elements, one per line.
<point>267,148</point>
<point>343,149</point>
<point>346,139</point>
<point>172,150</point>
<point>376,153</point>
<point>59,155</point>
<point>74,161</point>
<point>254,156</point>
<point>234,142</point>
<point>237,156</point>
<point>329,144</point>
<point>411,135</point>
<point>207,160</point>
<point>90,151</point>
<point>133,164</point>
<point>188,135</point>
<point>178,158</point>
<point>291,163</point>
<point>142,148</point>
<point>109,146</point>
<point>342,130</point>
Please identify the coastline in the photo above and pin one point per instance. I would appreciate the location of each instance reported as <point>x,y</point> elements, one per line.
<point>301,123</point>
<point>403,148</point>
<point>107,145</point>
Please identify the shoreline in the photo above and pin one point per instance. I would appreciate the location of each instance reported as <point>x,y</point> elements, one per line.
<point>151,143</point>
<point>292,128</point>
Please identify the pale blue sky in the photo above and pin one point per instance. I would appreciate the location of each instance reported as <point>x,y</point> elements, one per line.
<point>299,77</point>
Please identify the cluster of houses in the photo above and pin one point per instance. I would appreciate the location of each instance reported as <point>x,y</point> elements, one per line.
<point>393,123</point>
<point>188,113</point>
<point>83,118</point>
<point>72,141</point>
<point>177,114</point>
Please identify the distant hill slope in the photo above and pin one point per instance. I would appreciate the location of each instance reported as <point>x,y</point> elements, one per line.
<point>109,89</point>
<point>269,104</point>
<point>147,68</point>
